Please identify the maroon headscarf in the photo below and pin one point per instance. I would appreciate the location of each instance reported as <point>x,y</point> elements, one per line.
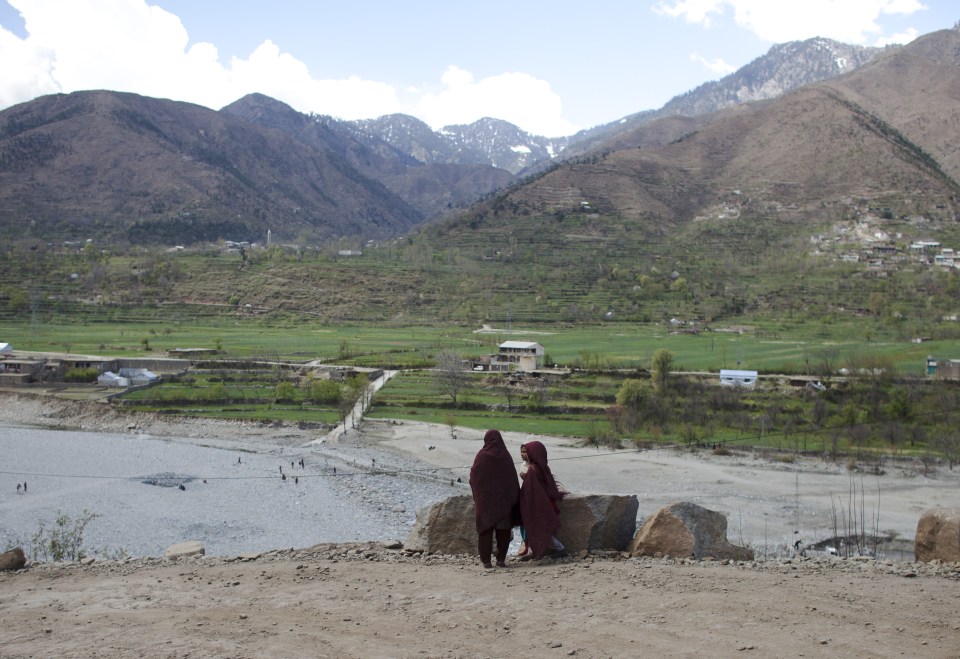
<point>538,496</point>
<point>493,479</point>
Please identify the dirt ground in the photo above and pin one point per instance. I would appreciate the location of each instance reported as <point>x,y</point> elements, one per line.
<point>374,601</point>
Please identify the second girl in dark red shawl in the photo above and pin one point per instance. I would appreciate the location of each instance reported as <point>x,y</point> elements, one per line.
<point>539,495</point>
<point>493,480</point>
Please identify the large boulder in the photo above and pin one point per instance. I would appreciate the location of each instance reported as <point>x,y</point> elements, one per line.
<point>445,527</point>
<point>938,535</point>
<point>589,522</point>
<point>597,521</point>
<point>12,560</point>
<point>686,530</point>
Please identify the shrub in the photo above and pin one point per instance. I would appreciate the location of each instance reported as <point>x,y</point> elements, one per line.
<point>284,391</point>
<point>81,375</point>
<point>63,541</point>
<point>324,392</point>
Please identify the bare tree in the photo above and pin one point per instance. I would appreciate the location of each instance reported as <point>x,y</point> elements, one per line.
<point>826,361</point>
<point>450,374</point>
<point>948,441</point>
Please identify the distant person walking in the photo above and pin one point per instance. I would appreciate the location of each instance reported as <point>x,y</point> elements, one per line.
<point>493,481</point>
<point>539,510</point>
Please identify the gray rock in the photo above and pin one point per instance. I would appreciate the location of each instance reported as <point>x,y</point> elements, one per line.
<point>589,522</point>
<point>446,527</point>
<point>184,549</point>
<point>598,522</point>
<point>686,530</point>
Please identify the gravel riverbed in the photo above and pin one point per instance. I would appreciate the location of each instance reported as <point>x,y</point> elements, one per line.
<point>233,494</point>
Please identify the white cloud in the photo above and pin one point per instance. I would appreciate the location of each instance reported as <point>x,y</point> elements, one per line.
<point>129,45</point>
<point>901,37</point>
<point>519,98</point>
<point>26,70</point>
<point>850,21</point>
<point>717,65</point>
<point>693,11</point>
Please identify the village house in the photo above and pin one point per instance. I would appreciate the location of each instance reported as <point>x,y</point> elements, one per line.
<point>943,369</point>
<point>512,356</point>
<point>947,258</point>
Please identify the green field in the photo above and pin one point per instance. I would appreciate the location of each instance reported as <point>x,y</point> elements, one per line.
<point>885,407</point>
<point>784,348</point>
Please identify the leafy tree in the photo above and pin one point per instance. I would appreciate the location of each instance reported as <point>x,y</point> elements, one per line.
<point>631,394</point>
<point>284,391</point>
<point>660,365</point>
<point>631,399</point>
<point>321,391</point>
<point>900,407</point>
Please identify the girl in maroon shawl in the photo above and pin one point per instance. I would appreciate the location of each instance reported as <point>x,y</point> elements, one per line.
<point>538,503</point>
<point>493,479</point>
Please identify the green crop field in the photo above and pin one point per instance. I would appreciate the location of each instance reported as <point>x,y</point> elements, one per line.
<point>785,348</point>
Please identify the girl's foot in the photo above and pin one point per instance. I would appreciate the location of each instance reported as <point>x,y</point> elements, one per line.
<point>524,550</point>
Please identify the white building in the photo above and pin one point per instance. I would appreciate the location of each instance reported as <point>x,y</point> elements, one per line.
<point>736,378</point>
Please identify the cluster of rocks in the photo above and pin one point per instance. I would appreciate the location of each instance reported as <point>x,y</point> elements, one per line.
<point>395,552</point>
<point>594,522</point>
<point>681,530</point>
<point>596,527</point>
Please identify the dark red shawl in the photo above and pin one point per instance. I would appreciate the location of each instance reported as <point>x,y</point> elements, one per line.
<point>538,496</point>
<point>493,479</point>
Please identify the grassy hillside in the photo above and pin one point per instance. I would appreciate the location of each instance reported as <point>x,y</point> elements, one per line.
<point>583,270</point>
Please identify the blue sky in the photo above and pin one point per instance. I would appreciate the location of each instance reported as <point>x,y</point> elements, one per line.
<point>551,67</point>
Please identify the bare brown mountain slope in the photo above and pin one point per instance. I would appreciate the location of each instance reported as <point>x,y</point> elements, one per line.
<point>916,89</point>
<point>430,188</point>
<point>121,166</point>
<point>808,155</point>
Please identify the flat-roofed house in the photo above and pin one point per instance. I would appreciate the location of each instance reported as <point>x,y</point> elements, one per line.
<point>520,355</point>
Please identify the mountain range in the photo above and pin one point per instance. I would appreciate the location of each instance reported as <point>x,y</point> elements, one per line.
<point>809,129</point>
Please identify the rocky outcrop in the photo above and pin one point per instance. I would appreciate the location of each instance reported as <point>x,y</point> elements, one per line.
<point>12,560</point>
<point>686,530</point>
<point>938,535</point>
<point>589,522</point>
